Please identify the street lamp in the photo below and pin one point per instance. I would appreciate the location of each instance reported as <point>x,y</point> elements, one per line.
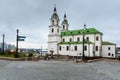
<point>83,55</point>
<point>41,51</point>
<point>3,43</point>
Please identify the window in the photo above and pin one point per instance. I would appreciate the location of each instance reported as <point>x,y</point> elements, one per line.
<point>85,48</point>
<point>58,30</point>
<point>63,27</point>
<point>97,38</point>
<point>52,30</point>
<point>108,54</point>
<point>96,48</point>
<point>63,40</point>
<point>109,48</point>
<point>70,39</point>
<point>57,22</point>
<point>75,48</point>
<point>87,38</point>
<point>67,48</point>
<point>80,54</point>
<point>52,22</point>
<point>112,54</point>
<point>59,47</point>
<point>78,39</point>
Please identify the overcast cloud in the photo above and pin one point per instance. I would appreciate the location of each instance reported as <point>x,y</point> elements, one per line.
<point>32,17</point>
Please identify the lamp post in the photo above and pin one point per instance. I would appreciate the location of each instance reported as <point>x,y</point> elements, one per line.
<point>83,55</point>
<point>41,51</point>
<point>3,44</point>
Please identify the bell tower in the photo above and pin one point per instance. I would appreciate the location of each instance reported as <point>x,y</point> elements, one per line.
<point>65,24</point>
<point>54,33</point>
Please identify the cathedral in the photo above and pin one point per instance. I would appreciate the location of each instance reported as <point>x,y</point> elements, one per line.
<point>63,41</point>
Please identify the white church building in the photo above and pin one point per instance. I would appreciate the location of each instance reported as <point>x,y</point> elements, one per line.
<point>63,41</point>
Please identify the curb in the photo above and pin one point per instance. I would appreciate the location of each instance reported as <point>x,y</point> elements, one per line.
<point>19,59</point>
<point>12,59</point>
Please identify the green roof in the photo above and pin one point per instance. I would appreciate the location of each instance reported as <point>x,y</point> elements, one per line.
<point>107,43</point>
<point>77,42</point>
<point>81,31</point>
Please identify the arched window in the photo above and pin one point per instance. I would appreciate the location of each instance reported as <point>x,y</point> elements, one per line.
<point>87,38</point>
<point>57,22</point>
<point>52,22</point>
<point>96,48</point>
<point>63,40</point>
<point>75,48</point>
<point>109,48</point>
<point>63,27</point>
<point>78,39</point>
<point>59,47</point>
<point>58,30</point>
<point>112,54</point>
<point>97,38</point>
<point>70,39</point>
<point>108,54</point>
<point>85,48</point>
<point>52,30</point>
<point>67,48</point>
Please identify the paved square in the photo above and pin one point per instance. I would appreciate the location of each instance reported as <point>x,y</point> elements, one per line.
<point>58,70</point>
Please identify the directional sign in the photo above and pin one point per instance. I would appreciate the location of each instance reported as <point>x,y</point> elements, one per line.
<point>21,37</point>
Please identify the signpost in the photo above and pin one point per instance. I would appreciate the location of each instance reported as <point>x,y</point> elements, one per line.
<point>21,37</point>
<point>18,38</point>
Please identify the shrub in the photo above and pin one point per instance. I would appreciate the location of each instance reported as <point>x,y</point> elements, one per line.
<point>30,54</point>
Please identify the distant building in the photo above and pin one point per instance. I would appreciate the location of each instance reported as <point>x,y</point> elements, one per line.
<point>11,47</point>
<point>39,51</point>
<point>117,49</point>
<point>7,47</point>
<point>63,41</point>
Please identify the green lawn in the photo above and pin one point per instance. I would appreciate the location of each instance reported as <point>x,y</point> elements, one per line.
<point>12,55</point>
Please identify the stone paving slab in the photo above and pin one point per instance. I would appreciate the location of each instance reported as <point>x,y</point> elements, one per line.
<point>59,70</point>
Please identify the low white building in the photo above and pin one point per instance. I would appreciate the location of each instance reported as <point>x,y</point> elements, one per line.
<point>108,49</point>
<point>63,41</point>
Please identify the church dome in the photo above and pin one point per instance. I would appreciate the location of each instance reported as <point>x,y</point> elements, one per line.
<point>65,22</point>
<point>54,16</point>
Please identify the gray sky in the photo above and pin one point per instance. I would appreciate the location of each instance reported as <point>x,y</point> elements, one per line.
<point>32,17</point>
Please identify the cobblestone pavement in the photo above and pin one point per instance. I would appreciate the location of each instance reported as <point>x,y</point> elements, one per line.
<point>3,63</point>
<point>58,70</point>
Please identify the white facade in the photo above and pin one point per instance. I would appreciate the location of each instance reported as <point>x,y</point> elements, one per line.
<point>76,52</point>
<point>63,41</point>
<point>54,33</point>
<point>108,51</point>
